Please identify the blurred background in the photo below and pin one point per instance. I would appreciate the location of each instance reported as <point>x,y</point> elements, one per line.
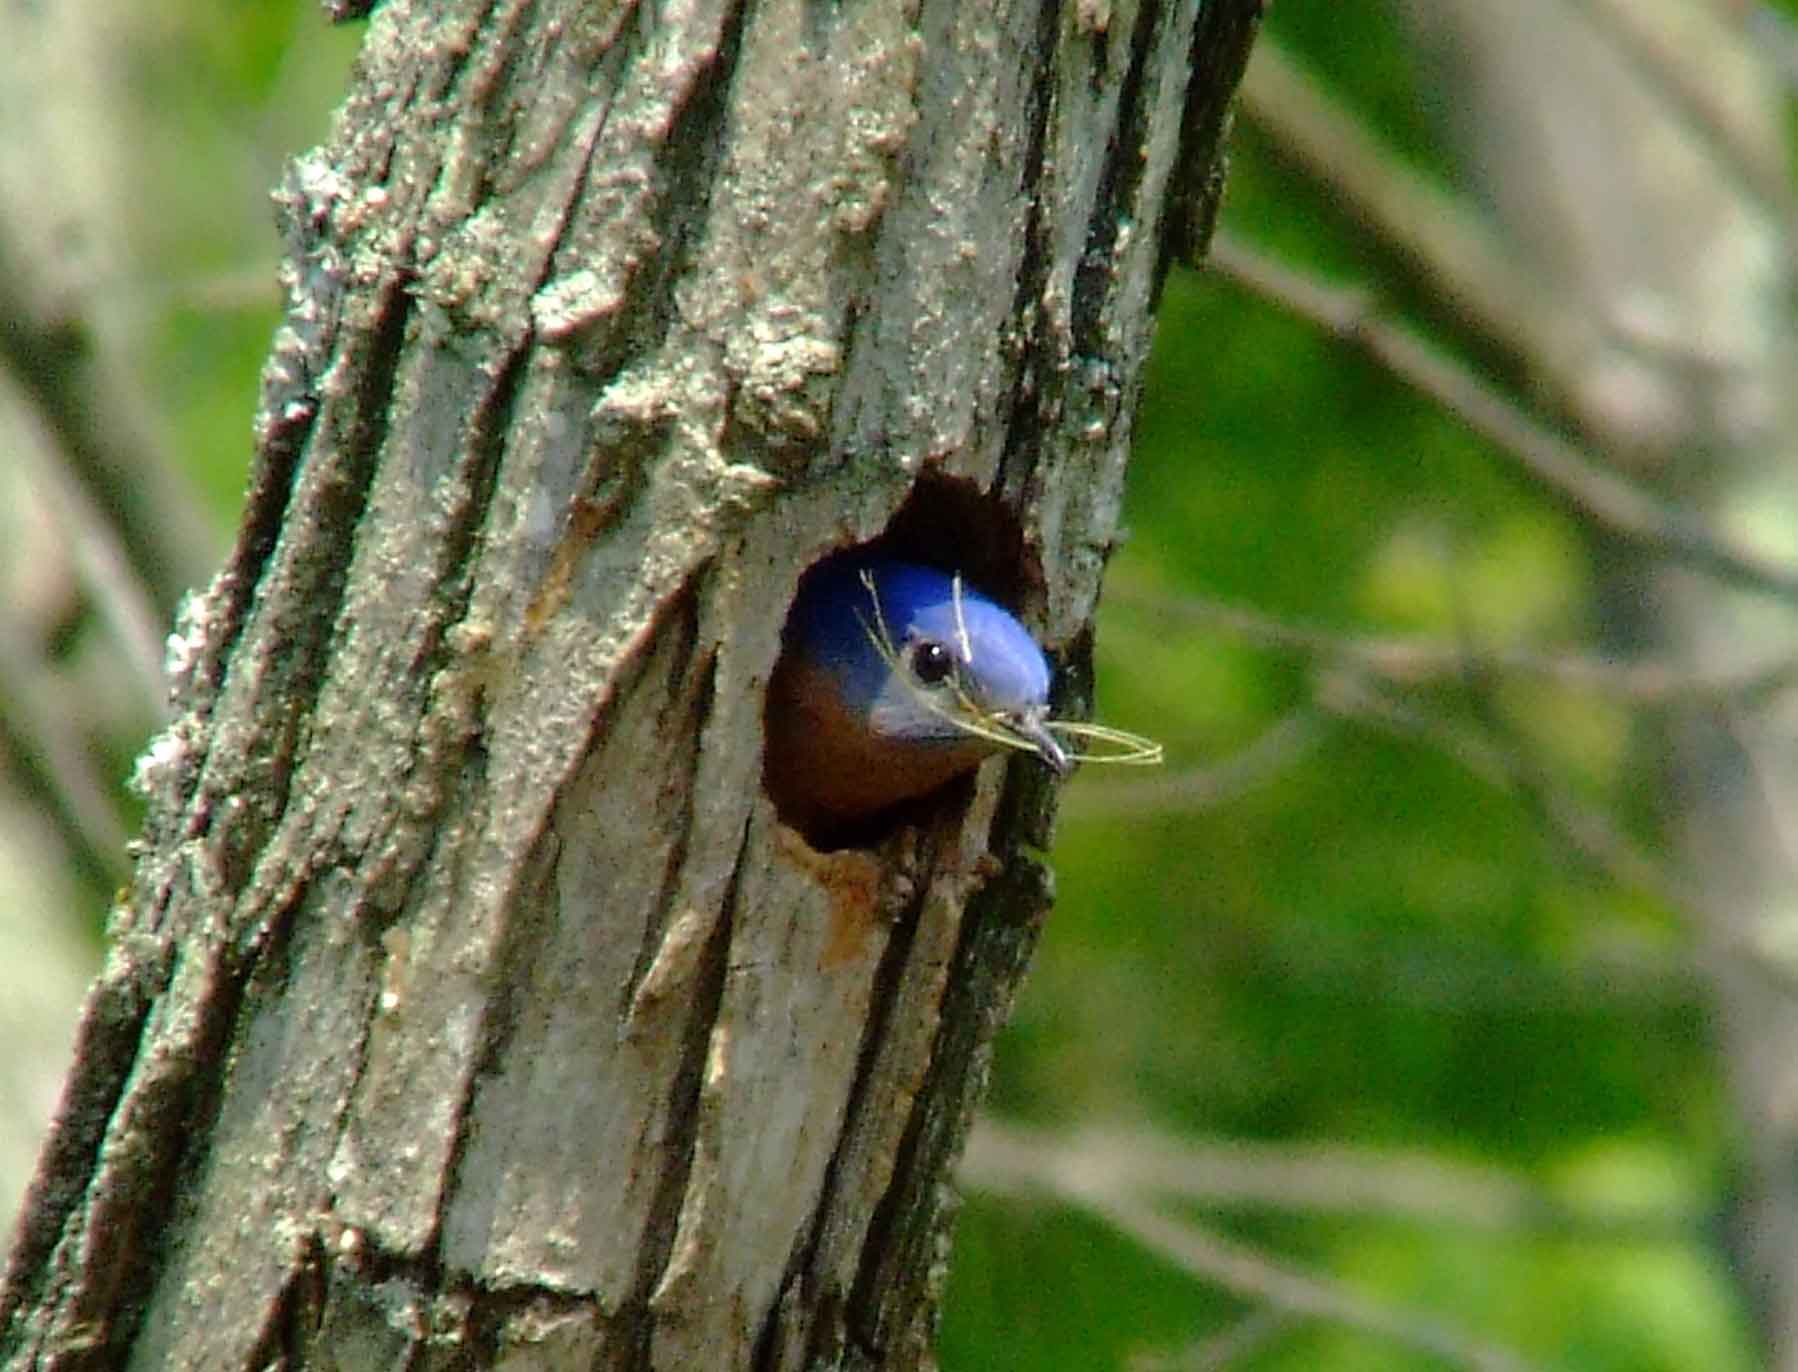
<point>1437,1005</point>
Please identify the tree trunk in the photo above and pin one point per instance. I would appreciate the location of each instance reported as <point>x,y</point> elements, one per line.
<point>470,1003</point>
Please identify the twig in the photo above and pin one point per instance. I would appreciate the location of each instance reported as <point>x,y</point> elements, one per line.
<point>1249,1335</point>
<point>100,560</point>
<point>1005,1160</point>
<point>1588,830</point>
<point>1326,1180</point>
<point>98,429</point>
<point>1279,746</point>
<point>47,748</point>
<point>1421,661</point>
<point>1765,748</point>
<point>1696,95</point>
<point>1768,29</point>
<point>1585,487</point>
<point>252,287</point>
<point>1440,241</point>
<point>1450,978</point>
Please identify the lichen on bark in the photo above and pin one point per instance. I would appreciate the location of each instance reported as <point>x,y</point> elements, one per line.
<point>470,1001</point>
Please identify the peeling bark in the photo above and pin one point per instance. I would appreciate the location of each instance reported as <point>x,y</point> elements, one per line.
<point>470,1003</point>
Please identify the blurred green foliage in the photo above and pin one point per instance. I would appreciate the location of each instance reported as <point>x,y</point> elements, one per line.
<point>1375,946</point>
<point>228,93</point>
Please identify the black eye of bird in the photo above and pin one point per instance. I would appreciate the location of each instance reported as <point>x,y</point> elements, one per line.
<point>931,663</point>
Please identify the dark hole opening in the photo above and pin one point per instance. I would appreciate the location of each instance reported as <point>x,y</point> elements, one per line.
<point>947,524</point>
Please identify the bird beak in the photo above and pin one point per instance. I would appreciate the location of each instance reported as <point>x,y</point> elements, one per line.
<point>1030,729</point>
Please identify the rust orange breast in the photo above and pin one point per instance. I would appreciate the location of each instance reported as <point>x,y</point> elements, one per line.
<point>824,765</point>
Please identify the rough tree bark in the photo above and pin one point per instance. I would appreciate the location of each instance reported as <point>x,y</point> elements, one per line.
<point>470,1003</point>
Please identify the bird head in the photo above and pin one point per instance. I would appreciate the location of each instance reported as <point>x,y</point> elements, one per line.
<point>927,661</point>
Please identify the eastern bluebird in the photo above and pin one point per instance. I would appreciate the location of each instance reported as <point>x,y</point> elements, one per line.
<point>895,678</point>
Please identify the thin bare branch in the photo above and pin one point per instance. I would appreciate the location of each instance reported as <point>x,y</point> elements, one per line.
<point>249,287</point>
<point>1588,829</point>
<point>1751,155</point>
<point>83,402</point>
<point>1439,239</point>
<point>105,569</point>
<point>1588,489</point>
<point>1327,1179</point>
<point>1772,32</point>
<point>1248,1336</point>
<point>1764,745</point>
<point>53,759</point>
<point>1009,1161</point>
<point>1618,978</point>
<point>1280,746</point>
<point>1414,660</point>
